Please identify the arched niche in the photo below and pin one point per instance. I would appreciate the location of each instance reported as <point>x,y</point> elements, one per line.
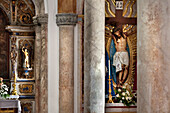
<point>4,45</point>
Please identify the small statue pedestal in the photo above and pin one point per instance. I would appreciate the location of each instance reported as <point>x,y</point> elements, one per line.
<point>26,71</point>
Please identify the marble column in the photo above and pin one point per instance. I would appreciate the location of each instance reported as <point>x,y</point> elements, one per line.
<point>66,23</point>
<point>41,64</point>
<point>94,56</point>
<point>153,56</point>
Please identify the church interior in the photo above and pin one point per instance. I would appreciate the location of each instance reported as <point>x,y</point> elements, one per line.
<point>84,56</point>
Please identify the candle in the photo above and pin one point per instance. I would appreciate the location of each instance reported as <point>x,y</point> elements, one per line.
<point>109,68</point>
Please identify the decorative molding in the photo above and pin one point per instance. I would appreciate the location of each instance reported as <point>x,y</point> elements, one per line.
<point>40,19</point>
<point>20,29</point>
<point>66,19</point>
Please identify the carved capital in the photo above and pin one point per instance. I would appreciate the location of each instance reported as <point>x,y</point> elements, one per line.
<point>40,19</point>
<point>66,19</point>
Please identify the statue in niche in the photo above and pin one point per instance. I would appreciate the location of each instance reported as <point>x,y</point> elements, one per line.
<point>26,57</point>
<point>121,56</point>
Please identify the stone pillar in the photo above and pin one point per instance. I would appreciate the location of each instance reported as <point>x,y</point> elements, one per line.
<point>41,64</point>
<point>66,23</point>
<point>153,56</point>
<point>94,56</point>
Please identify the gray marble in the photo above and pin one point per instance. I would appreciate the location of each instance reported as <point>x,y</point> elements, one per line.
<point>94,56</point>
<point>153,56</point>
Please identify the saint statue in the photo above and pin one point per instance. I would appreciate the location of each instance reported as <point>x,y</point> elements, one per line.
<point>121,56</point>
<point>26,57</point>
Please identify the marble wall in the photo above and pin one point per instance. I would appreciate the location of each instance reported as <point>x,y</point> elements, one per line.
<point>94,56</point>
<point>153,56</point>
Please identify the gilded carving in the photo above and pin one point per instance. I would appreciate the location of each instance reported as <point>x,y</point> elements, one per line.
<point>26,88</point>
<point>110,7</point>
<point>130,9</point>
<point>25,11</point>
<point>27,106</point>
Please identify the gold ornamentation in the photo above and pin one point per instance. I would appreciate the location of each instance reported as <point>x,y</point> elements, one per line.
<point>26,88</point>
<point>131,8</point>
<point>26,57</point>
<point>27,107</point>
<point>132,41</point>
<point>14,91</point>
<point>13,56</point>
<point>124,3</point>
<point>135,15</point>
<point>110,90</point>
<point>25,12</point>
<point>109,9</point>
<point>108,37</point>
<point>125,11</point>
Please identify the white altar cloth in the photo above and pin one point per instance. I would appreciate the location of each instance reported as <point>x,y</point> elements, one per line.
<point>11,104</point>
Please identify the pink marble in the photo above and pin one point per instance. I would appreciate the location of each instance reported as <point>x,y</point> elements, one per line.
<point>153,56</point>
<point>66,69</point>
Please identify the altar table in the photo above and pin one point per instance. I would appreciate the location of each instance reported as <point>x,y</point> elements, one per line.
<point>10,106</point>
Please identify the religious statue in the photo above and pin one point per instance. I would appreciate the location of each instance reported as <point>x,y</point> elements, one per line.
<point>121,56</point>
<point>26,57</point>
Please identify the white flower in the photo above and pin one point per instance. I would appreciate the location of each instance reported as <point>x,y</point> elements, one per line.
<point>123,98</point>
<point>119,90</point>
<point>124,87</point>
<point>123,93</point>
<point>127,92</point>
<point>117,95</point>
<point>4,90</point>
<point>130,98</point>
<point>5,93</point>
<point>127,98</point>
<point>126,84</point>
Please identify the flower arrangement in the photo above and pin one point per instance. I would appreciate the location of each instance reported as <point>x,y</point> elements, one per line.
<point>126,95</point>
<point>3,89</point>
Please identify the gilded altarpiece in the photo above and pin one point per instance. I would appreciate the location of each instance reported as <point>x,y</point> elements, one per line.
<point>120,37</point>
<point>17,35</point>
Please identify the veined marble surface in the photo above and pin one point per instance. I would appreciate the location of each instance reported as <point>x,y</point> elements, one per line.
<point>153,56</point>
<point>94,56</point>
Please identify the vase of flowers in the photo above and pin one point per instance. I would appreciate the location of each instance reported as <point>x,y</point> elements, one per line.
<point>3,89</point>
<point>126,95</point>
